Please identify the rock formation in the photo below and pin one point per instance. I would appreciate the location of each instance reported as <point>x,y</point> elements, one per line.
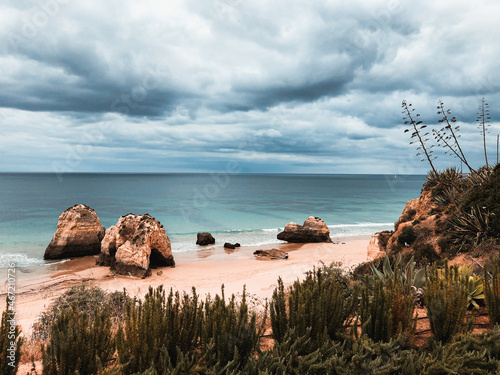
<point>79,233</point>
<point>269,254</point>
<point>204,239</point>
<point>313,230</point>
<point>136,244</point>
<point>424,216</point>
<point>228,245</point>
<point>378,244</point>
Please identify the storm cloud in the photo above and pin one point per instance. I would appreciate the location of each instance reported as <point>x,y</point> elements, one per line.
<point>281,86</point>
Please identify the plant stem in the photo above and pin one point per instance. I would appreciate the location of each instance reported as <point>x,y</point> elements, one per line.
<point>429,159</point>
<point>463,158</point>
<point>484,131</point>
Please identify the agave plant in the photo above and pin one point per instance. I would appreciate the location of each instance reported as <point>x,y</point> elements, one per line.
<point>406,273</point>
<point>442,199</point>
<point>474,285</point>
<point>479,177</point>
<point>432,179</point>
<point>451,177</point>
<point>471,227</point>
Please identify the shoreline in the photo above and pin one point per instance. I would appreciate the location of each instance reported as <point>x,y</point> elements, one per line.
<point>205,269</point>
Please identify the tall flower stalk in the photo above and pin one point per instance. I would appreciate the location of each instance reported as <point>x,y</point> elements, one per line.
<point>484,122</point>
<point>419,136</point>
<point>448,137</point>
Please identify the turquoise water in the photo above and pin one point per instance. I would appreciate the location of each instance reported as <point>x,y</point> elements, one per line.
<point>249,209</point>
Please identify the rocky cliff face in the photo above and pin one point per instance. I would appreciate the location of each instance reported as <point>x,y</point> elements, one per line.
<point>79,233</point>
<point>313,230</point>
<point>416,229</point>
<point>134,245</point>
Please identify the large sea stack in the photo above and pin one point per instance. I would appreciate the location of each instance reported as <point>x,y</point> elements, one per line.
<point>313,230</point>
<point>79,233</point>
<point>134,245</point>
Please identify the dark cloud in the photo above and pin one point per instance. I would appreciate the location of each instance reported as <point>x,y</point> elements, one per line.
<point>282,86</point>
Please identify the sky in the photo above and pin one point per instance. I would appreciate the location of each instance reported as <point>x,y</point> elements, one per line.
<point>253,86</point>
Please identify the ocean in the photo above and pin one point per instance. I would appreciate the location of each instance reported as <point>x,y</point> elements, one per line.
<point>245,208</point>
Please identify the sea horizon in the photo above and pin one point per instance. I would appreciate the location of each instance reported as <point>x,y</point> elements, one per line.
<point>216,172</point>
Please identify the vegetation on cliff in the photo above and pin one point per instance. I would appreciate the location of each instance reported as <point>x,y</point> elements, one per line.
<point>456,212</point>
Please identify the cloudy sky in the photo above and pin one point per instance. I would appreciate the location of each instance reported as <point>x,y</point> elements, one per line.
<point>257,86</point>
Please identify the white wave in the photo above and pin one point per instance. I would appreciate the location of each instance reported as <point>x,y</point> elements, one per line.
<point>267,236</point>
<point>19,260</point>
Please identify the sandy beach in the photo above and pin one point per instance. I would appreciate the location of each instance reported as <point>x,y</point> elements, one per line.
<point>206,269</point>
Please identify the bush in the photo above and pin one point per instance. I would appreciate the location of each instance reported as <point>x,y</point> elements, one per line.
<point>294,356</point>
<point>446,301</point>
<point>445,244</point>
<point>159,323</point>
<point>229,331</point>
<point>9,357</point>
<point>457,358</point>
<point>322,302</point>
<point>87,299</point>
<point>407,216</point>
<point>423,233</point>
<point>78,344</point>
<point>395,248</point>
<point>407,235</point>
<point>488,248</point>
<point>164,333</point>
<point>492,292</point>
<point>472,227</point>
<point>425,253</point>
<point>387,312</point>
<point>486,194</point>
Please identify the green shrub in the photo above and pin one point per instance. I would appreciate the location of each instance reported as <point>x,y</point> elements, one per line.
<point>398,269</point>
<point>492,292</point>
<point>446,301</point>
<point>423,233</point>
<point>486,342</point>
<point>407,235</point>
<point>231,329</point>
<point>86,298</point>
<point>472,227</point>
<point>294,356</point>
<point>489,248</point>
<point>387,310</point>
<point>78,344</point>
<point>445,244</point>
<point>322,302</point>
<point>157,324</point>
<point>10,342</point>
<point>485,193</point>
<point>407,216</point>
<point>474,286</point>
<point>361,356</point>
<point>164,333</point>
<point>456,358</point>
<point>425,253</point>
<point>395,248</point>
